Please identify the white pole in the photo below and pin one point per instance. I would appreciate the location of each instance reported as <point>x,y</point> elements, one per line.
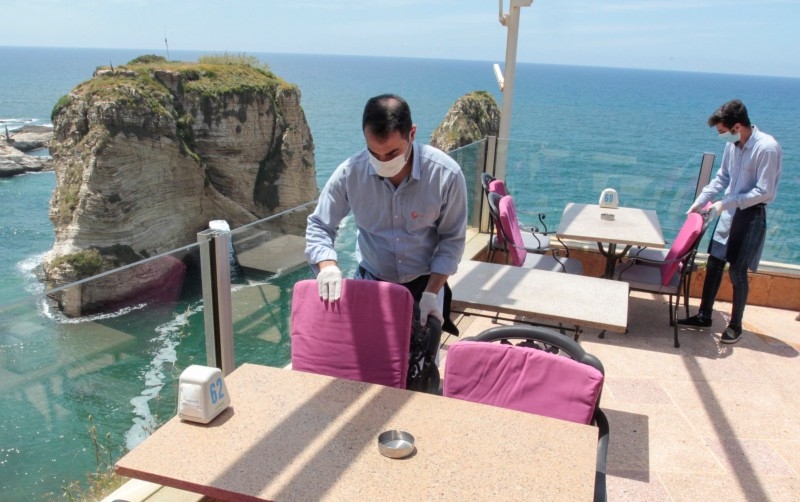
<point>506,80</point>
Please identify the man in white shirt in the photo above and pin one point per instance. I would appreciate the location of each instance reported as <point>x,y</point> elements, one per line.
<point>748,180</point>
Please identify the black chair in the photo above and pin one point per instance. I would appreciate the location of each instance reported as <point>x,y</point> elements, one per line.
<point>535,370</point>
<point>517,252</point>
<point>651,271</point>
<point>534,239</point>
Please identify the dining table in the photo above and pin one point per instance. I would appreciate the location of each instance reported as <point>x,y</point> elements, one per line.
<point>610,228</point>
<point>295,436</point>
<point>549,297</point>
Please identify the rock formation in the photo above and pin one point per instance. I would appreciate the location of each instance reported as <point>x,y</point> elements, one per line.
<point>472,117</point>
<point>146,154</point>
<point>14,148</point>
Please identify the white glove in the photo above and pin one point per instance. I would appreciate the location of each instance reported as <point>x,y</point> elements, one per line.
<point>329,283</point>
<point>695,208</point>
<point>429,306</point>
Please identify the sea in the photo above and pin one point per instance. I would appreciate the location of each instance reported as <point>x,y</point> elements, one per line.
<point>604,117</point>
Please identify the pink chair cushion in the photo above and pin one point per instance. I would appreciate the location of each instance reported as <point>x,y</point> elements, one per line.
<point>364,336</point>
<point>686,238</point>
<point>508,219</point>
<point>498,187</point>
<point>522,379</point>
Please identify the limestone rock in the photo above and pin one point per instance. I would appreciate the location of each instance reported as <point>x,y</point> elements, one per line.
<point>471,118</point>
<point>29,138</point>
<point>146,154</point>
<point>14,148</point>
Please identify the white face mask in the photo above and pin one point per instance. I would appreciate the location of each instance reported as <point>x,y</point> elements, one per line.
<point>729,136</point>
<point>389,168</point>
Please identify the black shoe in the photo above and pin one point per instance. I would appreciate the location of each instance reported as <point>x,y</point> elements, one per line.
<point>696,320</point>
<point>731,334</point>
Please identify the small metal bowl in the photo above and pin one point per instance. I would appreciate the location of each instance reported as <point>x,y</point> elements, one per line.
<point>396,444</point>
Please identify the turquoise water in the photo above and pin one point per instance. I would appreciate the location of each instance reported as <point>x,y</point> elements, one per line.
<point>572,129</point>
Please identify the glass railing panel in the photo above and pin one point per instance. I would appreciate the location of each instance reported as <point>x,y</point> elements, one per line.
<point>472,159</point>
<point>268,259</point>
<point>90,369</point>
<point>544,176</point>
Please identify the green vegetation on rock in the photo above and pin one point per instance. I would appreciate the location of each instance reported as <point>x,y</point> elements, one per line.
<point>85,263</point>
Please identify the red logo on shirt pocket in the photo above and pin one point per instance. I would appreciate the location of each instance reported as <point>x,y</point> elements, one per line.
<point>414,215</point>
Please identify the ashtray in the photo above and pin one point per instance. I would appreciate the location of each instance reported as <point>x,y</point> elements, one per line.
<point>607,216</point>
<point>396,444</point>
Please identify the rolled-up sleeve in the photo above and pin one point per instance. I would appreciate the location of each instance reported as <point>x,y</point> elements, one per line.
<point>452,228</point>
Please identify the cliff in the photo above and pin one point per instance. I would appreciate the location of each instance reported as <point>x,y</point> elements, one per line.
<point>146,154</point>
<point>472,117</point>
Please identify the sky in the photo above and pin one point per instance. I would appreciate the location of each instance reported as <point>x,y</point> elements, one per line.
<point>752,37</point>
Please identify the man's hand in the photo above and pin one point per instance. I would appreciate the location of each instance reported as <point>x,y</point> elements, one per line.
<point>716,208</point>
<point>695,208</point>
<point>429,306</point>
<point>329,283</point>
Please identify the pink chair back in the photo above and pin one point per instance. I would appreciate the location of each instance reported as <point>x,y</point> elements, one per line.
<point>364,336</point>
<point>508,220</point>
<point>498,187</point>
<point>522,379</point>
<point>687,237</point>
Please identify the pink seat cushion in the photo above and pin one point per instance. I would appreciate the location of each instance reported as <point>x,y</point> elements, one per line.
<point>498,187</point>
<point>508,219</point>
<point>686,238</point>
<point>364,336</point>
<point>522,379</point>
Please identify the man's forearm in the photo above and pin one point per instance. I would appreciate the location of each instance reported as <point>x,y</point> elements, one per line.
<point>436,283</point>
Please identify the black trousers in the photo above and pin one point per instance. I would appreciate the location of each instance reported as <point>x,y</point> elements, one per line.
<point>417,287</point>
<point>748,229</point>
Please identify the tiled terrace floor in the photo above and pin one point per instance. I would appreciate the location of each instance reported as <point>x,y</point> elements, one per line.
<point>707,421</point>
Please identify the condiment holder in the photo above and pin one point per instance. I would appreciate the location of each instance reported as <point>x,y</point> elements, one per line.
<point>202,394</point>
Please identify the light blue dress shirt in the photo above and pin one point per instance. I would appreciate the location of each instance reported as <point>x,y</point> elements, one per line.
<point>404,232</point>
<point>748,175</point>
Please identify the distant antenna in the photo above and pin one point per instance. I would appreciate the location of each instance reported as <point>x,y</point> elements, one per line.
<point>165,41</point>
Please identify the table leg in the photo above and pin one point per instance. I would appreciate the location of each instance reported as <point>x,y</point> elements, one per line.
<point>611,257</point>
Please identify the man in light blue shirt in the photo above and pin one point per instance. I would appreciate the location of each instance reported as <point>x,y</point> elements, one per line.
<point>409,202</point>
<point>748,178</point>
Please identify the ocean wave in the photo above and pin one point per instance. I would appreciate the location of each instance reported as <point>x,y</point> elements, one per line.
<point>47,310</point>
<point>30,282</point>
<point>14,124</point>
<point>27,269</point>
<point>164,356</point>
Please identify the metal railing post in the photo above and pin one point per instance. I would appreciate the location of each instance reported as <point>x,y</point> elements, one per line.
<point>704,176</point>
<point>488,167</point>
<point>506,79</point>
<point>215,269</point>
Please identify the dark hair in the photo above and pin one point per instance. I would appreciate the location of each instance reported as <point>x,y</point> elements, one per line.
<point>731,113</point>
<point>385,114</point>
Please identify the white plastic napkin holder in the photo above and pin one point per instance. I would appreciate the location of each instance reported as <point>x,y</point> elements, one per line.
<point>609,198</point>
<point>202,394</point>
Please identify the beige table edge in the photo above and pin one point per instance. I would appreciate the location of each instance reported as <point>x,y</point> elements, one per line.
<point>549,296</point>
<point>565,230</point>
<point>298,436</point>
